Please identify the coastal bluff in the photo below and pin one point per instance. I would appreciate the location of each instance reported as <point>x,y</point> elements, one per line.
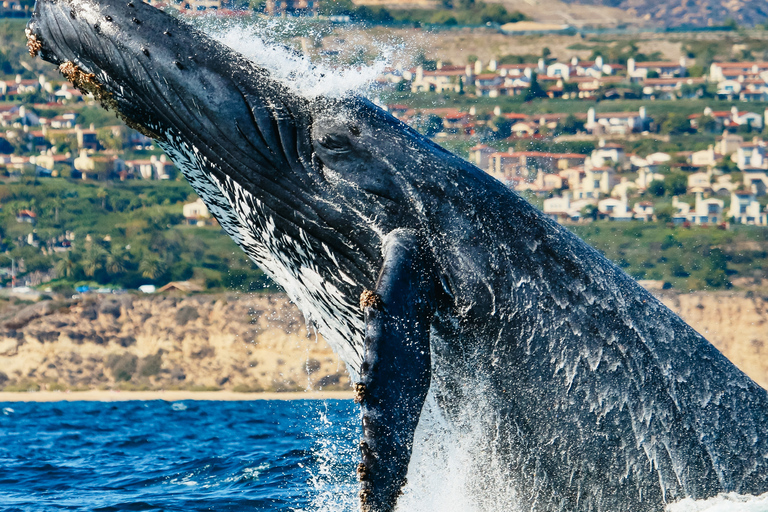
<point>251,343</point>
<point>243,343</point>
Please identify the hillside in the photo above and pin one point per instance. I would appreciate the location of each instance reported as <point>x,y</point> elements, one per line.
<point>250,342</point>
<point>700,13</point>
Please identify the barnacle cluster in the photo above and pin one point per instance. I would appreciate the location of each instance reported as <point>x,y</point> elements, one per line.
<point>33,43</point>
<point>88,84</point>
<point>369,299</point>
<point>359,392</point>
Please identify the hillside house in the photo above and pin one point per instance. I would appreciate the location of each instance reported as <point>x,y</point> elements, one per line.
<point>441,80</point>
<point>705,211</point>
<point>556,208</point>
<point>154,168</point>
<point>617,123</point>
<point>196,213</point>
<point>719,71</point>
<point>643,211</point>
<point>751,155</point>
<point>522,163</point>
<point>699,182</point>
<point>597,181</point>
<point>564,209</point>
<point>97,166</point>
<point>26,216</point>
<point>705,158</point>
<point>624,188</point>
<point>640,70</point>
<point>480,155</point>
<point>607,153</point>
<point>746,210</point>
<point>756,180</point>
<point>86,139</point>
<point>614,209</point>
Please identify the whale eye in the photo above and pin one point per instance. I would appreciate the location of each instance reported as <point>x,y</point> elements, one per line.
<point>108,18</point>
<point>97,28</point>
<point>354,130</point>
<point>335,142</point>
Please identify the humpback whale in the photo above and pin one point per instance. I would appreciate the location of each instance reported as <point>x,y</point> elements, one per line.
<point>426,275</point>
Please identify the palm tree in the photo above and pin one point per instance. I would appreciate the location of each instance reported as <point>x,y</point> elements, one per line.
<point>92,259</point>
<point>65,267</point>
<point>56,204</point>
<point>116,260</point>
<point>151,267</point>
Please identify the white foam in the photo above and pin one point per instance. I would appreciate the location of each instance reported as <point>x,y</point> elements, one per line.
<point>261,43</point>
<point>731,502</point>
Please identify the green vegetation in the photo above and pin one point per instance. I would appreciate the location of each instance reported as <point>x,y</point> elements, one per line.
<point>126,234</point>
<point>461,12</point>
<point>689,259</point>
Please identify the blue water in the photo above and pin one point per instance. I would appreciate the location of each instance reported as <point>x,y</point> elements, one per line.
<point>185,456</point>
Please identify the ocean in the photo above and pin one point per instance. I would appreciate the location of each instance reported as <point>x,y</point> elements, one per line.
<point>295,455</point>
<point>263,455</point>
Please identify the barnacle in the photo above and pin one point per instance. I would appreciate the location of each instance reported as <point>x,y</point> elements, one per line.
<point>359,392</point>
<point>33,43</point>
<point>88,84</point>
<point>369,299</point>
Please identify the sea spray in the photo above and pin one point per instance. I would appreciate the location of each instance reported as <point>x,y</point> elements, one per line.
<point>331,481</point>
<point>268,43</point>
<point>730,502</point>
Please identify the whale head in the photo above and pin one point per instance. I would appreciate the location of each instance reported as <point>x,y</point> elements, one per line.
<point>305,185</point>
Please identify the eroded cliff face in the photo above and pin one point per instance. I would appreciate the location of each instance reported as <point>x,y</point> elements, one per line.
<point>248,343</point>
<point>251,342</point>
<point>737,324</point>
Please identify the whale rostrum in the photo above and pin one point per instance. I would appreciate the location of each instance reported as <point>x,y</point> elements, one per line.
<point>426,275</point>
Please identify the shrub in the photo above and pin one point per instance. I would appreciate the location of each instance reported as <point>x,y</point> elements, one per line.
<point>151,365</point>
<point>122,366</point>
<point>186,314</point>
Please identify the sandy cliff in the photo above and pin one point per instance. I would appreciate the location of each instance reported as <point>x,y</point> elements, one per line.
<point>256,342</point>
<point>250,342</point>
<point>737,324</point>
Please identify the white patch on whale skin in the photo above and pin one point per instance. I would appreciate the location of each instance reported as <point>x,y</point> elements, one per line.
<point>288,262</point>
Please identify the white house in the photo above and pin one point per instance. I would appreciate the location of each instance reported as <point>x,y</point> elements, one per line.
<point>624,188</point>
<point>663,69</point>
<point>745,209</point>
<point>597,181</point>
<point>643,210</point>
<point>618,123</point>
<point>705,157</point>
<point>756,180</point>
<point>480,155</point>
<point>607,153</point>
<point>557,207</point>
<point>706,211</point>
<point>699,182</point>
<point>751,156</point>
<point>196,212</point>
<point>614,209</point>
<point>645,177</point>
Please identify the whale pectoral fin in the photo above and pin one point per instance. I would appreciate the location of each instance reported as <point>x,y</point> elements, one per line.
<point>395,373</point>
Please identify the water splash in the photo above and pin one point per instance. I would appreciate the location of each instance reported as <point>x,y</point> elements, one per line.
<point>731,502</point>
<point>268,43</point>
<point>332,484</point>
